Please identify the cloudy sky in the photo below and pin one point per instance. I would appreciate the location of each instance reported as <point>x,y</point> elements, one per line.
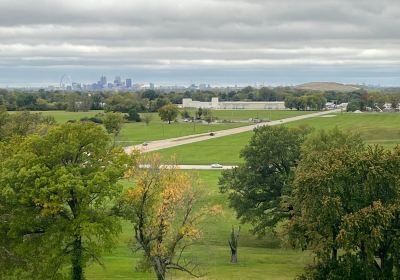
<point>195,41</point>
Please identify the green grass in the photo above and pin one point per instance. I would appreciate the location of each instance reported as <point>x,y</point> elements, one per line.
<point>136,133</point>
<point>62,116</point>
<point>375,128</point>
<point>258,258</point>
<point>245,115</point>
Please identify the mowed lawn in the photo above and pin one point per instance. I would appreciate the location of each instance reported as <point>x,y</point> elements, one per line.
<point>259,258</point>
<point>375,128</point>
<point>63,116</point>
<point>245,115</point>
<point>136,133</point>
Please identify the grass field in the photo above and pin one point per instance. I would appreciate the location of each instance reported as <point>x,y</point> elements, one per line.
<point>375,128</point>
<point>258,258</point>
<point>62,116</point>
<point>136,133</point>
<point>245,115</point>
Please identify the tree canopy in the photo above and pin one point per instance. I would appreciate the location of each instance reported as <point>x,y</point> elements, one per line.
<point>259,188</point>
<point>168,112</point>
<point>55,192</point>
<point>346,197</point>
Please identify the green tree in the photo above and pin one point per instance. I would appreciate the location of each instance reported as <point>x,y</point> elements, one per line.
<point>208,116</point>
<point>185,114</point>
<point>55,194</point>
<point>168,112</point>
<point>133,115</point>
<point>322,191</point>
<point>113,123</point>
<point>199,113</point>
<point>346,197</point>
<point>259,188</point>
<point>147,118</point>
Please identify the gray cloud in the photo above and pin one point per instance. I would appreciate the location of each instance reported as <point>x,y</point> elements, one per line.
<point>217,35</point>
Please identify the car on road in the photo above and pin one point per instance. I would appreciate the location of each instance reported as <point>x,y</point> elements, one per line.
<point>212,133</point>
<point>145,143</point>
<point>216,165</point>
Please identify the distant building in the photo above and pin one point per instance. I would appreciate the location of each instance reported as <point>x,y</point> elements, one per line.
<point>233,105</point>
<point>204,86</point>
<point>103,81</point>
<point>117,81</point>
<point>128,83</point>
<point>151,86</point>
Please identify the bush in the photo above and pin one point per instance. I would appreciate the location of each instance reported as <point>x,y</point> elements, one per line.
<point>346,267</point>
<point>133,115</point>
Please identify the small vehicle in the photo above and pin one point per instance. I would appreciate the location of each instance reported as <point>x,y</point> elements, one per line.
<point>145,143</point>
<point>216,165</point>
<point>212,134</point>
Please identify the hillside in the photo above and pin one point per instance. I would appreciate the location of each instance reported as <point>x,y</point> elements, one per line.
<point>326,86</point>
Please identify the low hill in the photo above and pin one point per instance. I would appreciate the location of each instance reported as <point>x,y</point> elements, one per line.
<point>327,86</point>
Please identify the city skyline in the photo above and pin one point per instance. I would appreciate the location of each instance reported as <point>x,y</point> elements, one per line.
<point>220,42</point>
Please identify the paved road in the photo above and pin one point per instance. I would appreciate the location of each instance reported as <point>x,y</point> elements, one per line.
<point>173,142</point>
<point>194,167</point>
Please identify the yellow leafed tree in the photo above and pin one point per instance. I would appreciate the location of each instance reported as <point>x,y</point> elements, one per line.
<point>162,205</point>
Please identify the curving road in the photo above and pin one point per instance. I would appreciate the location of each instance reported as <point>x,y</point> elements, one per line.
<point>173,142</point>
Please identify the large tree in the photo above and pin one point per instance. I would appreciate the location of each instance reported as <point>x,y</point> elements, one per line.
<point>163,206</point>
<point>168,112</point>
<point>346,197</point>
<point>55,194</point>
<point>323,188</point>
<point>113,122</point>
<point>259,188</point>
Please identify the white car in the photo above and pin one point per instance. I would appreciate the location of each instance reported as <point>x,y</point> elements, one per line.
<point>216,165</point>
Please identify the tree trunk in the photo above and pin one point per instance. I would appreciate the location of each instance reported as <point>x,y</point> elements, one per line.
<point>159,269</point>
<point>77,269</point>
<point>233,256</point>
<point>334,254</point>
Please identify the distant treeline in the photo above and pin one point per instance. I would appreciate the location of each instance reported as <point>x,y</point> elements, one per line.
<point>152,100</point>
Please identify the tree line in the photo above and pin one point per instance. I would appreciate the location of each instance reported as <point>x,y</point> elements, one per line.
<point>152,100</point>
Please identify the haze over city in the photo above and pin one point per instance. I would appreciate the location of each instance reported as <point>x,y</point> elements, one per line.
<point>218,42</point>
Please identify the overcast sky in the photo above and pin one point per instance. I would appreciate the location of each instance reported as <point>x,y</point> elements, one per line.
<point>211,41</point>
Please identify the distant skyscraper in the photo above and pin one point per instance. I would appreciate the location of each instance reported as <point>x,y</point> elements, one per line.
<point>128,83</point>
<point>117,81</point>
<point>151,86</point>
<point>103,81</point>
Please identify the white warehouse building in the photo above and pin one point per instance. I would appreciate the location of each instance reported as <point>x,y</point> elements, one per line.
<point>233,105</point>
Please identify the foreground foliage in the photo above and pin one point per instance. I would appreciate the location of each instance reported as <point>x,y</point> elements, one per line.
<point>347,197</point>
<point>55,192</point>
